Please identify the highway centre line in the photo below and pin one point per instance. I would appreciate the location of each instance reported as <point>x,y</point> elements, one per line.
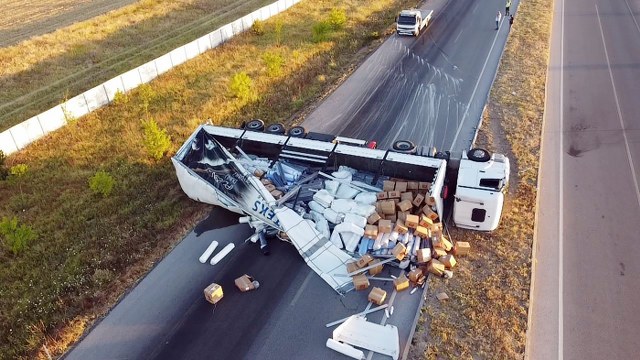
<point>561,197</point>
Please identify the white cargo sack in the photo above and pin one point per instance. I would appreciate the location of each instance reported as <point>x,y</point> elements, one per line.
<point>357,220</point>
<point>323,198</point>
<point>331,186</point>
<point>363,210</point>
<point>347,233</point>
<point>315,206</point>
<point>346,192</point>
<point>366,198</point>
<point>333,216</point>
<point>342,205</point>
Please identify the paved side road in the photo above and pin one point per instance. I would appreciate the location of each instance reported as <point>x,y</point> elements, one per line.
<point>586,275</point>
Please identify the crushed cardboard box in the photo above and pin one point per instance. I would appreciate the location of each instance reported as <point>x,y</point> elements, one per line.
<point>377,296</point>
<point>246,283</point>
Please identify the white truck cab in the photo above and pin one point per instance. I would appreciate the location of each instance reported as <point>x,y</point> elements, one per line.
<point>479,196</point>
<point>411,22</point>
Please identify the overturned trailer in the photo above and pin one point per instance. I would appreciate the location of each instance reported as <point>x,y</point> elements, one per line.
<point>320,192</point>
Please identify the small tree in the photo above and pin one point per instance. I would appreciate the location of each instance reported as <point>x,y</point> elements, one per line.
<point>102,183</point>
<point>16,236</point>
<point>18,171</point>
<point>242,86</point>
<point>320,31</point>
<point>274,63</point>
<point>258,27</point>
<point>4,172</point>
<point>156,140</point>
<point>337,18</point>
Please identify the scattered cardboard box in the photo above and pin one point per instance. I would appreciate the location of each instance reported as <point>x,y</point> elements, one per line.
<point>421,231</point>
<point>399,251</point>
<point>417,201</point>
<point>425,221</point>
<point>416,276</point>
<point>388,207</point>
<point>373,218</point>
<point>445,243</point>
<point>401,283</point>
<point>411,221</point>
<point>388,185</point>
<point>377,296</point>
<point>382,195</point>
<point>423,255</point>
<point>371,231</point>
<point>461,248</point>
<point>270,187</point>
<point>405,205</point>
<point>277,194</point>
<point>424,185</point>
<point>429,212</point>
<point>401,186</point>
<point>406,196</point>
<point>213,293</point>
<point>448,260</point>
<point>384,226</point>
<point>364,260</point>
<point>431,201</point>
<point>245,283</point>
<point>402,215</point>
<point>412,185</point>
<point>391,218</point>
<point>360,282</point>
<point>265,181</point>
<point>438,252</point>
<point>435,267</point>
<point>377,269</point>
<point>351,267</point>
<point>393,194</point>
<point>258,173</point>
<point>400,228</point>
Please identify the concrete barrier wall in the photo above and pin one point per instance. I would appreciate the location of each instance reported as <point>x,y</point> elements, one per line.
<point>21,135</point>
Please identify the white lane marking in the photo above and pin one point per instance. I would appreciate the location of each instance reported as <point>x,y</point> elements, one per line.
<point>457,37</point>
<point>561,199</point>
<point>466,112</point>
<point>615,95</point>
<point>304,285</point>
<point>475,7</point>
<point>632,16</point>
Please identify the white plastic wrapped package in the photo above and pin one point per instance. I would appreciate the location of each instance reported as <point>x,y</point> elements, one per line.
<point>346,192</point>
<point>333,216</point>
<point>394,236</point>
<point>315,206</point>
<point>363,210</point>
<point>378,244</point>
<point>331,186</point>
<point>323,198</point>
<point>347,169</point>
<point>355,219</point>
<point>342,176</point>
<point>367,198</point>
<point>342,205</point>
<point>316,216</point>
<point>322,225</point>
<point>347,233</point>
<point>385,240</point>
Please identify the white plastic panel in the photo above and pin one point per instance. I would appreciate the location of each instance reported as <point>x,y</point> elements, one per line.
<point>204,43</point>
<point>147,72</point>
<point>264,13</point>
<point>163,63</point>
<point>226,32</point>
<point>75,108</point>
<point>237,27</point>
<point>191,49</point>
<point>112,86</point>
<point>7,145</point>
<point>273,9</point>
<point>216,38</point>
<point>26,132</point>
<point>247,21</point>
<point>52,119</point>
<point>178,56</point>
<point>96,97</point>
<point>131,79</point>
<point>357,331</point>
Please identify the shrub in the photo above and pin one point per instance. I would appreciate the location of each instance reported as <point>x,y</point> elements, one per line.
<point>16,236</point>
<point>4,172</point>
<point>277,31</point>
<point>258,27</point>
<point>156,141</point>
<point>321,31</point>
<point>19,170</point>
<point>337,18</point>
<point>147,95</point>
<point>101,183</point>
<point>120,98</point>
<point>242,86</point>
<point>274,63</point>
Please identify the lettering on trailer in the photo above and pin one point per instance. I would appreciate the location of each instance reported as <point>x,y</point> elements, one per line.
<point>266,211</point>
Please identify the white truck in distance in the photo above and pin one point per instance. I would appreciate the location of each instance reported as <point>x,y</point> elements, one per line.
<point>274,179</point>
<point>411,22</point>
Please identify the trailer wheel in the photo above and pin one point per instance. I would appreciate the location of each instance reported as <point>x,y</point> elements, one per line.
<point>404,146</point>
<point>297,131</point>
<point>276,129</point>
<point>478,154</point>
<point>255,125</point>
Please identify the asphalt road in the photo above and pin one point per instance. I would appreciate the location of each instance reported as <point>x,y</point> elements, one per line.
<point>430,89</point>
<point>451,66</point>
<point>586,274</point>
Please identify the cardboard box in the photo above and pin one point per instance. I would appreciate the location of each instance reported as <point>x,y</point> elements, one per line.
<point>435,267</point>
<point>424,255</point>
<point>429,212</point>
<point>377,296</point>
<point>382,195</point>
<point>438,252</point>
<point>461,248</point>
<point>401,186</point>
<point>416,276</point>
<point>391,218</point>
<point>277,194</point>
<point>411,221</point>
<point>388,185</point>
<point>213,293</point>
<point>388,207</point>
<point>425,221</point>
<point>360,282</point>
<point>400,228</point>
<point>384,226</point>
<point>421,231</point>
<point>270,187</point>
<point>371,231</point>
<point>430,200</point>
<point>401,283</point>
<point>258,173</point>
<point>265,181</point>
<point>399,251</point>
<point>402,215</point>
<point>424,185</point>
<point>445,243</point>
<point>245,283</point>
<point>379,207</point>
<point>417,201</point>
<point>436,229</point>
<point>351,267</point>
<point>412,185</point>
<point>375,270</point>
<point>393,194</point>
<point>364,260</point>
<point>448,260</point>
<point>373,218</point>
<point>405,205</point>
<point>406,196</point>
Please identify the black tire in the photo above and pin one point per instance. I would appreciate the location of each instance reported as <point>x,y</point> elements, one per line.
<point>404,146</point>
<point>255,125</point>
<point>276,129</point>
<point>297,131</point>
<point>478,155</point>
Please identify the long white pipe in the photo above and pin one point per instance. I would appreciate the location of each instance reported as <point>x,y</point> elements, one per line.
<point>345,349</point>
<point>205,255</point>
<point>224,252</point>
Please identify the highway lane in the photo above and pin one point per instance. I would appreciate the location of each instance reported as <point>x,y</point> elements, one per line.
<point>285,317</point>
<point>586,274</point>
<point>431,89</point>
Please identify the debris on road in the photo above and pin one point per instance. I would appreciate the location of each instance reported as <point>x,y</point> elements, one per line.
<point>246,283</point>
<point>207,253</point>
<point>213,293</point>
<point>377,296</point>
<point>442,296</point>
<point>357,331</point>
<point>224,252</point>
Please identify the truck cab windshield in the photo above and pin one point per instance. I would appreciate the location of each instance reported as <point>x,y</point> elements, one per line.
<point>406,20</point>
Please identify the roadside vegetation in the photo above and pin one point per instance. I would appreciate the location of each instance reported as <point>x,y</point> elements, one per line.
<point>91,207</point>
<point>46,70</point>
<point>486,315</point>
